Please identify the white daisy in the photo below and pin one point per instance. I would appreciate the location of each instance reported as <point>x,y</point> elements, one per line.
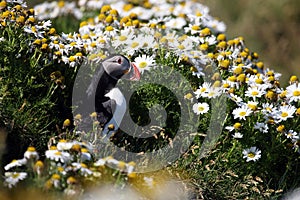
<point>236,126</point>
<point>124,37</point>
<point>267,108</point>
<point>293,92</point>
<point>83,168</point>
<point>100,162</point>
<point>12,178</point>
<point>284,112</point>
<point>15,163</point>
<point>144,62</point>
<point>252,105</point>
<point>237,135</point>
<point>214,92</point>
<point>85,155</point>
<point>200,108</point>
<point>252,154</point>
<point>238,100</point>
<point>241,112</point>
<point>254,92</point>
<point>31,153</point>
<point>203,90</point>
<point>262,127</point>
<point>58,156</point>
<point>177,23</point>
<point>63,145</point>
<point>292,135</point>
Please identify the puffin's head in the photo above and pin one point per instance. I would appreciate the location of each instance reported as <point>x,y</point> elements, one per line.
<point>118,66</point>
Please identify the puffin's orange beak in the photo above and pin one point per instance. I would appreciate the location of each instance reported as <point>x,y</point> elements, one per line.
<point>134,73</point>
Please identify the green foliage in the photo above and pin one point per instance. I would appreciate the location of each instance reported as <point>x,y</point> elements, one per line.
<point>26,104</point>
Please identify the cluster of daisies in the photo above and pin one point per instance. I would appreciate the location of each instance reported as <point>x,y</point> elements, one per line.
<point>139,30</point>
<point>68,165</point>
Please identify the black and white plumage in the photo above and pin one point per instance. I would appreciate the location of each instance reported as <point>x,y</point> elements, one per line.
<point>109,102</point>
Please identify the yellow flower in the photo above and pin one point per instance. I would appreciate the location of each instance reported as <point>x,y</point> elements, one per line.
<point>78,116</point>
<point>61,4</point>
<point>2,4</point>
<point>21,19</point>
<point>222,44</point>
<point>260,65</point>
<point>221,37</point>
<point>293,79</point>
<point>55,177</point>
<point>111,127</point>
<point>31,19</point>
<point>109,19</point>
<point>84,23</point>
<point>298,111</point>
<point>224,64</point>
<point>127,7</point>
<point>121,165</point>
<point>238,70</point>
<point>205,32</point>
<point>67,123</point>
<point>237,125</point>
<point>109,28</point>
<point>44,46</point>
<point>105,8</point>
<point>93,115</point>
<point>71,180</point>
<point>203,47</point>
<point>113,12</point>
<point>52,31</point>
<point>280,128</point>
<point>132,175</point>
<point>76,147</point>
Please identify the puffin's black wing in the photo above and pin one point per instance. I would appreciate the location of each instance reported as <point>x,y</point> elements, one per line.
<point>105,111</point>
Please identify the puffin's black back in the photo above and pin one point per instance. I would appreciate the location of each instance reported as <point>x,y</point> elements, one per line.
<point>100,85</point>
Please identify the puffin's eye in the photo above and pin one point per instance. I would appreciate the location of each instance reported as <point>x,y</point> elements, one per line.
<point>119,60</point>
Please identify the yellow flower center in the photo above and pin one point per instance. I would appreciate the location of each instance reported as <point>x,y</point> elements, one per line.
<point>109,28</point>
<point>254,93</point>
<point>252,106</point>
<point>134,44</point>
<point>284,114</point>
<point>71,180</point>
<point>72,58</point>
<point>296,93</point>
<point>259,81</point>
<point>3,4</point>
<point>203,47</point>
<point>195,28</point>
<point>56,176</point>
<point>224,63</point>
<point>142,64</point>
<point>237,125</point>
<point>238,70</point>
<point>181,47</point>
<point>122,38</point>
<point>200,108</point>
<point>251,155</point>
<point>83,165</point>
<point>202,89</point>
<point>121,164</point>
<point>242,113</point>
<point>61,4</point>
<point>15,175</point>
<point>31,149</point>
<point>39,164</point>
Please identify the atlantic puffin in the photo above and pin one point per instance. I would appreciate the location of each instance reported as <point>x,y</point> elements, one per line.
<point>104,97</point>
